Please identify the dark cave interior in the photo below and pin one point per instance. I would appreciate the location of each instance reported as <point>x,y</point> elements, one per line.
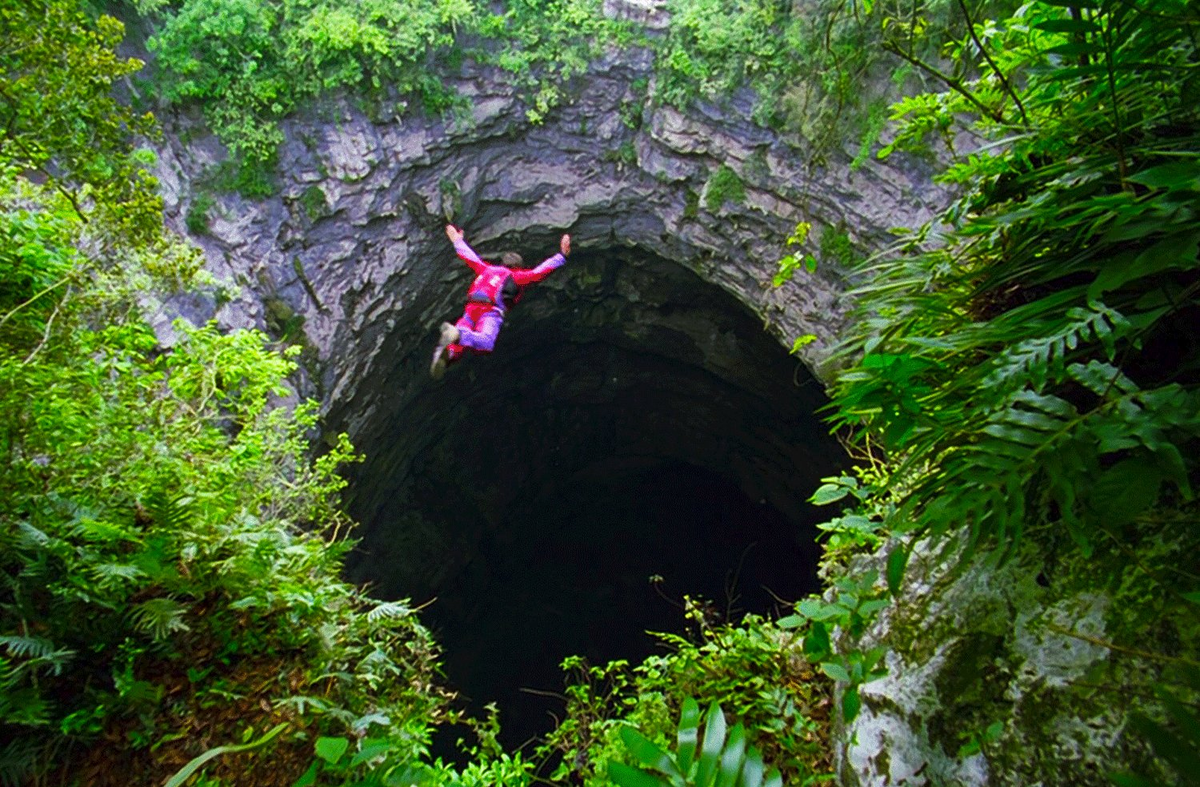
<point>634,422</point>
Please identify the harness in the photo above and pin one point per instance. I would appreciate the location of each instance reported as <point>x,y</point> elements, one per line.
<point>496,287</point>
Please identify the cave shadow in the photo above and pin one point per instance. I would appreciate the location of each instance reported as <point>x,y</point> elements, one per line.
<point>636,437</point>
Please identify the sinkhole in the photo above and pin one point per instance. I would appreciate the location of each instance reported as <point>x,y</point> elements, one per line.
<point>636,436</point>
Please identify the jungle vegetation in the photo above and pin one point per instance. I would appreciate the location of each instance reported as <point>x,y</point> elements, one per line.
<point>1021,389</point>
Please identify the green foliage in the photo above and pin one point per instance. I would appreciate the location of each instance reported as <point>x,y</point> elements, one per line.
<point>755,670</point>
<point>60,118</point>
<point>251,177</point>
<point>545,43</point>
<point>815,68</point>
<point>792,262</point>
<point>1175,739</point>
<point>717,757</point>
<point>196,219</point>
<point>837,247</point>
<point>713,47</point>
<point>873,126</point>
<point>723,186</point>
<point>1018,376</point>
<point>379,760</point>
<point>169,545</point>
<point>314,203</point>
<point>250,63</point>
<point>1012,368</point>
<point>624,155</point>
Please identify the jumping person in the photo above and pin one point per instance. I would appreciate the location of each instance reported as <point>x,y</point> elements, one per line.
<point>496,287</point>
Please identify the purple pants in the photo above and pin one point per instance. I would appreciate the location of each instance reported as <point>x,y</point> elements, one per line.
<point>478,328</point>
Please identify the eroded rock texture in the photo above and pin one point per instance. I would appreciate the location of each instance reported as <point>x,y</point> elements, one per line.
<point>998,675</point>
<point>642,416</point>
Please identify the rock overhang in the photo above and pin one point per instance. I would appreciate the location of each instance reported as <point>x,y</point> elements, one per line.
<point>660,352</point>
<point>635,421</point>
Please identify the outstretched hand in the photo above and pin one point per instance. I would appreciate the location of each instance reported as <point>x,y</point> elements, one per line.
<point>564,245</point>
<point>453,233</point>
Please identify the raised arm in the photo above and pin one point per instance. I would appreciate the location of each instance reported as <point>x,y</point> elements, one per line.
<point>547,266</point>
<point>465,252</point>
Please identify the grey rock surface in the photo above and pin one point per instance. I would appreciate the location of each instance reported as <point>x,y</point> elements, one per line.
<point>1014,648</point>
<point>353,243</point>
<point>350,259</point>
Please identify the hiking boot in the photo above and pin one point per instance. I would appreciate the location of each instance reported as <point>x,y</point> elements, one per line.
<point>441,355</point>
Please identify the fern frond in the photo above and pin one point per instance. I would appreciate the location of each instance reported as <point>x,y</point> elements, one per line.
<point>1101,379</point>
<point>27,647</point>
<point>111,574</point>
<point>25,707</point>
<point>31,537</point>
<point>159,617</point>
<point>1037,360</point>
<point>102,532</point>
<point>18,760</point>
<point>387,610</point>
<point>170,509</point>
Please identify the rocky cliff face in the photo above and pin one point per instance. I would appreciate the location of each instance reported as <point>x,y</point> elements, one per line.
<point>1000,675</point>
<point>659,356</point>
<point>353,243</point>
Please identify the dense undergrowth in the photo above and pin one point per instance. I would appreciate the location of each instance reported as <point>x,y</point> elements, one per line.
<point>169,550</point>
<point>1023,375</point>
<point>1022,386</point>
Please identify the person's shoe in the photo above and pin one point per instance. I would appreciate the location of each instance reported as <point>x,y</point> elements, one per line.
<point>441,356</point>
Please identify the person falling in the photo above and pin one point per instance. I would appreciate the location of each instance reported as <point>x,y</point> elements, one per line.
<point>496,287</point>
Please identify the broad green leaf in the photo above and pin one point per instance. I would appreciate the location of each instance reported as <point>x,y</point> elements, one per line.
<point>1068,26</point>
<point>1170,747</point>
<point>710,749</point>
<point>649,754</point>
<point>732,758</point>
<point>774,779</point>
<point>309,777</point>
<point>816,609</point>
<point>851,703</point>
<point>835,671</point>
<point>791,621</point>
<point>331,749</point>
<point>828,493</point>
<point>1177,251</point>
<point>896,563</point>
<point>628,776</point>
<point>752,771</point>
<point>1074,49</point>
<point>1125,490</point>
<point>1014,434</point>
<point>872,606</point>
<point>369,750</point>
<point>1176,175</point>
<point>816,644</point>
<point>688,734</point>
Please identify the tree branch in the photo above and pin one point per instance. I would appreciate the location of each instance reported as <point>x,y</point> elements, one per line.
<point>999,74</point>
<point>954,84</point>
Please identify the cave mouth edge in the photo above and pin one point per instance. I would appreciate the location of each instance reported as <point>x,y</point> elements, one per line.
<point>636,436</point>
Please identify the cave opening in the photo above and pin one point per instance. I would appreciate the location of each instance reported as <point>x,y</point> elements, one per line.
<point>636,436</point>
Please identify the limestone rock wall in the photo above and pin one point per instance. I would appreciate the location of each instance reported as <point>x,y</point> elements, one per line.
<point>352,248</point>
<point>351,254</point>
<point>1009,656</point>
